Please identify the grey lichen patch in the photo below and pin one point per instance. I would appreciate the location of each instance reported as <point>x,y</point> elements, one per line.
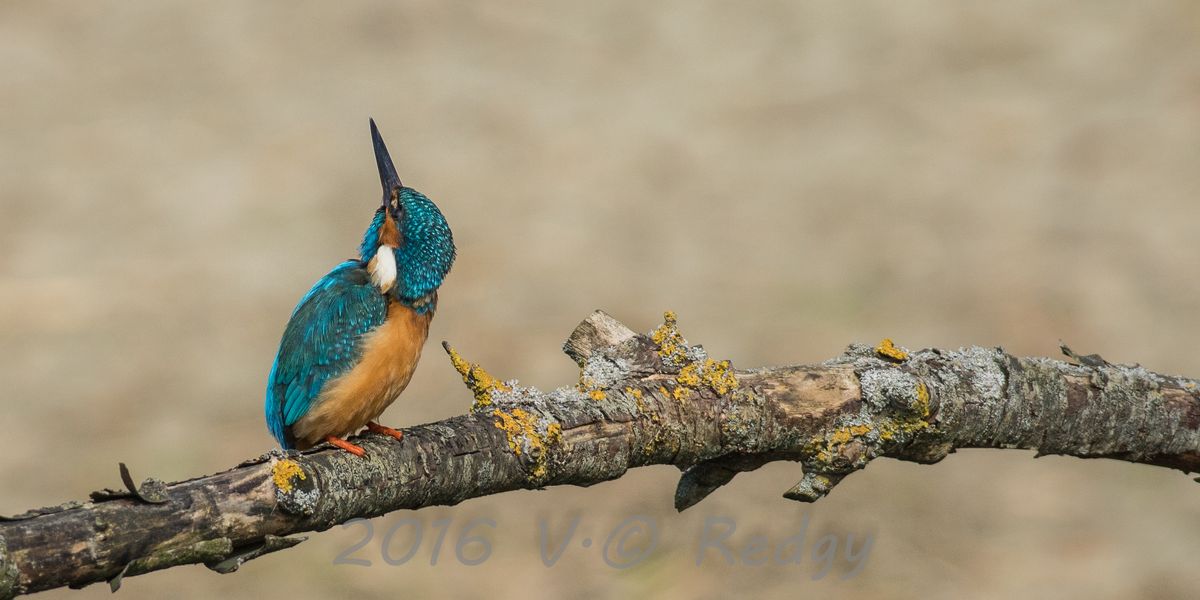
<point>742,419</point>
<point>884,388</point>
<point>565,396</point>
<point>975,395</point>
<point>986,398</point>
<point>603,371</point>
<point>513,394</point>
<point>987,376</point>
<point>8,572</point>
<point>296,489</point>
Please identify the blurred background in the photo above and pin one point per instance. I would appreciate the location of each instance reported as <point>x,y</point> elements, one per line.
<point>789,177</point>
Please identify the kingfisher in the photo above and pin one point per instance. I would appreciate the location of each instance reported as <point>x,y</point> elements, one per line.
<point>353,341</point>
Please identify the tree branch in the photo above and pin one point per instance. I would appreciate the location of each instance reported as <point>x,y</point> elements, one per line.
<point>641,400</point>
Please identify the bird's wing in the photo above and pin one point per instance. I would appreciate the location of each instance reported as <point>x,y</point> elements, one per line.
<point>321,342</point>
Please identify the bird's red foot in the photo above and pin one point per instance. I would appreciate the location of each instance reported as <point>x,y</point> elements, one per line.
<point>347,446</point>
<point>374,427</point>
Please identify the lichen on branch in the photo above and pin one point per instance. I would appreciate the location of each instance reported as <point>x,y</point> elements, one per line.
<point>639,400</point>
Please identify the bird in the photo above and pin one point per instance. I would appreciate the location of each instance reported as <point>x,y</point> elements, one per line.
<point>353,341</point>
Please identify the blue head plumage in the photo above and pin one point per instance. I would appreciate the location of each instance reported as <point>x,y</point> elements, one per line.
<point>410,226</point>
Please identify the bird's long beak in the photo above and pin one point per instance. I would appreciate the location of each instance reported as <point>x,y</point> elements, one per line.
<point>387,171</point>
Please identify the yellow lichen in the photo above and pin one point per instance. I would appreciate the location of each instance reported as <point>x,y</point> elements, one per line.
<point>553,436</point>
<point>667,329</point>
<point>520,427</point>
<point>637,398</point>
<point>689,375</point>
<point>515,426</point>
<point>597,395</point>
<point>670,342</point>
<point>845,434</point>
<point>481,383</point>
<point>680,394</point>
<point>825,447</point>
<point>923,399</point>
<point>890,429</point>
<point>658,440</point>
<point>719,377</point>
<point>283,471</point>
<point>887,349</point>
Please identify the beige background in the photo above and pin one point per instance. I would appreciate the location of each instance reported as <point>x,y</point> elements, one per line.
<point>788,177</point>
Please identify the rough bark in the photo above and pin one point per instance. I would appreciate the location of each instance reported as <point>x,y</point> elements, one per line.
<point>641,400</point>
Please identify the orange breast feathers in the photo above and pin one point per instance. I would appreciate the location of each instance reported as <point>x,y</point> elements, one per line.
<point>390,355</point>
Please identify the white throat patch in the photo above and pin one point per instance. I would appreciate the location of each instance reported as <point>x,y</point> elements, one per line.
<point>383,268</point>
